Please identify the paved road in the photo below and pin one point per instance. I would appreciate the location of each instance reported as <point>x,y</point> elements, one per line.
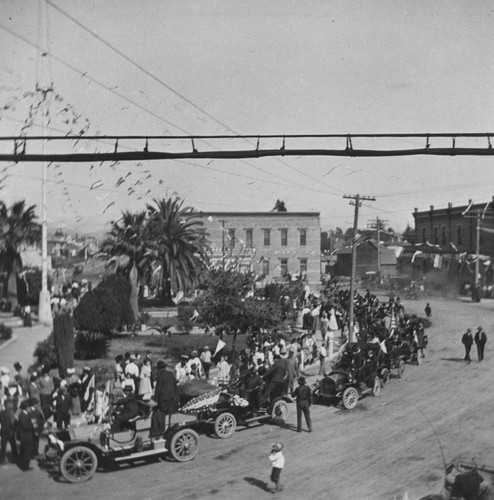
<point>22,346</point>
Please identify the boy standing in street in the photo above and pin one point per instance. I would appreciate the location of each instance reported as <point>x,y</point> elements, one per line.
<point>277,463</point>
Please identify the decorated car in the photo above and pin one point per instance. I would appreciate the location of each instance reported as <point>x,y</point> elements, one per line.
<point>80,451</point>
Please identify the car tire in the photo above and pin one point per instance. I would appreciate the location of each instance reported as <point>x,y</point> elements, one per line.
<point>184,445</point>
<point>225,425</point>
<point>78,464</point>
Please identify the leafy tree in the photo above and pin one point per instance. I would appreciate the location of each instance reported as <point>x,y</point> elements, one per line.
<point>177,243</point>
<point>106,308</point>
<point>17,226</point>
<point>227,303</point>
<point>279,206</point>
<point>127,244</point>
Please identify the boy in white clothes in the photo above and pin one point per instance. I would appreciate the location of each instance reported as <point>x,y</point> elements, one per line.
<point>277,463</point>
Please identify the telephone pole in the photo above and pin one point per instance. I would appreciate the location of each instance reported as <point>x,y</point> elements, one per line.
<point>477,292</point>
<point>357,200</point>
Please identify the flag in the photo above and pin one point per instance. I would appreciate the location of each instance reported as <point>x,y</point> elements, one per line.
<point>89,393</point>
<point>220,346</point>
<point>382,345</point>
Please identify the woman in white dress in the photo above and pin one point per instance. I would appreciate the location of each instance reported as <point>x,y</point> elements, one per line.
<point>145,388</point>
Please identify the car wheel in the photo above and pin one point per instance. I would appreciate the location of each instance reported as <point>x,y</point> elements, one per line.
<point>78,464</point>
<point>279,412</point>
<point>384,376</point>
<point>376,389</point>
<point>349,398</point>
<point>225,425</point>
<point>401,368</point>
<point>184,445</point>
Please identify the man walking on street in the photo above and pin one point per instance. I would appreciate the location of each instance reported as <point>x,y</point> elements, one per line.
<point>480,341</point>
<point>467,341</point>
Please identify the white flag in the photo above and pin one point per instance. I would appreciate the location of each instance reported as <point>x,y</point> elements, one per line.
<point>220,346</point>
<point>383,347</point>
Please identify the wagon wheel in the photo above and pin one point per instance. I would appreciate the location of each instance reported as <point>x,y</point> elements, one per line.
<point>349,398</point>
<point>184,445</point>
<point>225,425</point>
<point>384,376</point>
<point>279,413</point>
<point>401,368</point>
<point>78,464</point>
<point>376,389</point>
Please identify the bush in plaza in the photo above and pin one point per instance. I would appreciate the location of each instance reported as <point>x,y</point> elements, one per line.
<point>184,316</point>
<point>106,308</point>
<point>45,352</point>
<point>5,332</point>
<point>91,345</point>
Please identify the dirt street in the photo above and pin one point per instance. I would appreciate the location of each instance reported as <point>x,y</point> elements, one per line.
<point>386,446</point>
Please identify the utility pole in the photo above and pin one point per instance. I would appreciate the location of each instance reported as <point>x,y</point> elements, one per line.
<point>477,293</point>
<point>356,201</point>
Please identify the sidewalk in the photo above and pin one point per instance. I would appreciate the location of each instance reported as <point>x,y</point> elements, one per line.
<point>22,345</point>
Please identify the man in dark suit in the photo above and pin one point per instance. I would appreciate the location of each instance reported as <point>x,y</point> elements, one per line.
<point>166,396</point>
<point>480,341</point>
<point>276,377</point>
<point>303,396</point>
<point>63,407</point>
<point>130,409</point>
<point>7,431</point>
<point>25,434</point>
<point>467,341</point>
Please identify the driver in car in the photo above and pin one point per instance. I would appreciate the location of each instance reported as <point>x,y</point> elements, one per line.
<point>129,411</point>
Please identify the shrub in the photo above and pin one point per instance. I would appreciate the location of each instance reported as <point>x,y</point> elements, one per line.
<point>91,345</point>
<point>45,353</point>
<point>184,315</point>
<point>106,308</point>
<point>5,332</point>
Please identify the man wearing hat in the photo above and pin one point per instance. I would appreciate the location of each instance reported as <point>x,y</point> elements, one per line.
<point>206,361</point>
<point>63,406</point>
<point>166,397</point>
<point>182,370</point>
<point>129,411</point>
<point>467,341</point>
<point>7,430</point>
<point>303,397</point>
<point>480,341</point>
<point>74,387</point>
<point>25,433</point>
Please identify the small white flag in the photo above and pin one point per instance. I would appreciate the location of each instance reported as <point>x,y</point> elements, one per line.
<point>383,347</point>
<point>220,346</point>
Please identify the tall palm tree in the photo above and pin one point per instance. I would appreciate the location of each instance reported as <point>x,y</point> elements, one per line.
<point>17,226</point>
<point>178,244</point>
<point>127,244</point>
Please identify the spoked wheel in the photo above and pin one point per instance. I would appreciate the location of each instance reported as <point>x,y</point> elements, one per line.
<point>376,389</point>
<point>279,413</point>
<point>225,425</point>
<point>78,464</point>
<point>349,398</point>
<point>401,368</point>
<point>384,376</point>
<point>184,445</point>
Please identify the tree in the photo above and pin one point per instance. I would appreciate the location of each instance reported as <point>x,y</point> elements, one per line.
<point>17,226</point>
<point>228,303</point>
<point>279,206</point>
<point>127,244</point>
<point>177,243</point>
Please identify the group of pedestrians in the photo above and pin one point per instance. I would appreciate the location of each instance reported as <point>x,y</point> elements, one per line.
<point>468,340</point>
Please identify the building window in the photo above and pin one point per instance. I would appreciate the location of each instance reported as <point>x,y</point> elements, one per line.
<point>444,239</point>
<point>303,237</point>
<point>267,237</point>
<point>459,234</point>
<point>231,238</point>
<point>435,235</point>
<point>265,267</point>
<point>284,266</point>
<point>303,267</point>
<point>248,238</point>
<point>424,235</point>
<point>284,237</point>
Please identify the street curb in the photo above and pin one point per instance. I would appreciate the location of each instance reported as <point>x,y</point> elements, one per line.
<point>12,339</point>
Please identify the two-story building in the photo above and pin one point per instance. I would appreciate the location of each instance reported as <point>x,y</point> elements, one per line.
<point>271,244</point>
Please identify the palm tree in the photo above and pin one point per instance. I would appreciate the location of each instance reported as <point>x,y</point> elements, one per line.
<point>17,226</point>
<point>178,244</point>
<point>127,245</point>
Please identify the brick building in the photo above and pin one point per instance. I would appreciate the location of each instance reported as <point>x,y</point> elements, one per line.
<point>273,244</point>
<point>443,226</point>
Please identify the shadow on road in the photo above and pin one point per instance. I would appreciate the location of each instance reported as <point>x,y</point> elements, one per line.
<point>459,360</point>
<point>257,482</point>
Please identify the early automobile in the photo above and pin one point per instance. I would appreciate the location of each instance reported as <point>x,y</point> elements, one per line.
<point>355,375</point>
<point>223,409</point>
<point>79,451</point>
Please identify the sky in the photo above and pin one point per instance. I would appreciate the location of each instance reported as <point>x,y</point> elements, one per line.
<point>248,67</point>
